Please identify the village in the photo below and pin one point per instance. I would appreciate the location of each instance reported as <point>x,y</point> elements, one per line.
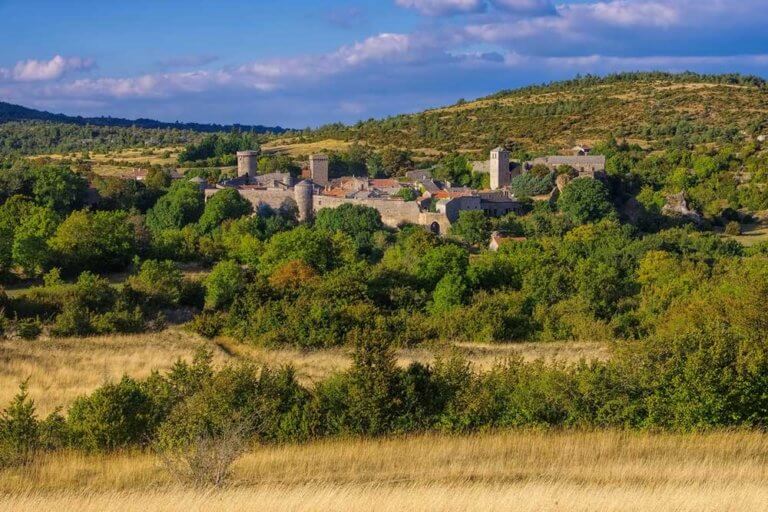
<point>436,206</point>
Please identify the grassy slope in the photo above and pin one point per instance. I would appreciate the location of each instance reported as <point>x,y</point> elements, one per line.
<point>561,114</point>
<point>512,471</point>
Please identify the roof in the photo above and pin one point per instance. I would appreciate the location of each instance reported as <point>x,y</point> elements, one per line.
<point>499,150</point>
<point>571,160</point>
<point>385,183</point>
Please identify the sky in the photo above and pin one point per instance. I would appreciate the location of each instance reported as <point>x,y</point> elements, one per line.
<point>299,63</point>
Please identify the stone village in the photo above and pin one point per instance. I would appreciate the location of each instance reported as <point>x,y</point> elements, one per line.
<point>438,203</point>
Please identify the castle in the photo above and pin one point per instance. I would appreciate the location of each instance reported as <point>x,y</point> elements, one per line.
<point>437,206</point>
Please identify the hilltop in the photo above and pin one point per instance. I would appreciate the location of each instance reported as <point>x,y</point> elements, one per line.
<point>10,112</point>
<point>651,109</point>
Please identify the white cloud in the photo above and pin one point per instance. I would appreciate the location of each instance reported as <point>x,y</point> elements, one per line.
<point>532,7</point>
<point>40,71</point>
<point>443,7</point>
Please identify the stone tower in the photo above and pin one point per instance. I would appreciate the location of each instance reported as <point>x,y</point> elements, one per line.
<point>303,193</point>
<point>318,169</point>
<point>499,168</point>
<point>247,163</point>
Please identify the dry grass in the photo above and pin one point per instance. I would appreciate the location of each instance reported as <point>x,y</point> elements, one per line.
<point>59,370</point>
<point>292,148</point>
<point>517,471</point>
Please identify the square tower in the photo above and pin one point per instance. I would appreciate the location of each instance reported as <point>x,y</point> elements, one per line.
<point>499,168</point>
<point>318,169</point>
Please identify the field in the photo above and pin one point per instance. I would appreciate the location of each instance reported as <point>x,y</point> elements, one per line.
<point>515,471</point>
<point>59,370</point>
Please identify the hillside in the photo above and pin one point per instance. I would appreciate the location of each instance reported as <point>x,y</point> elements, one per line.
<point>10,112</point>
<point>652,109</point>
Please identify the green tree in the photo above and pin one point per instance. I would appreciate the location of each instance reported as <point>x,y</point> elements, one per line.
<point>585,200</point>
<point>94,241</point>
<point>182,205</point>
<point>473,227</point>
<point>59,188</point>
<point>158,179</point>
<point>19,436</point>
<point>223,284</point>
<point>227,204</point>
<point>449,293</point>
<point>30,241</point>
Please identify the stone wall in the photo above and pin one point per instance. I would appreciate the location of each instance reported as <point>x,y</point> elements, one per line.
<point>393,212</point>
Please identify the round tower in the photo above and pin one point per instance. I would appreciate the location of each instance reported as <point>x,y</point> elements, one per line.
<point>247,163</point>
<point>303,194</point>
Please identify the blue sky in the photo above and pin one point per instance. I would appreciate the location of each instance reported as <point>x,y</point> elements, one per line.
<point>303,63</point>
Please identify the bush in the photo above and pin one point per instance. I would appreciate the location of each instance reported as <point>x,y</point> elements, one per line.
<point>158,284</point>
<point>208,324</point>
<point>19,436</point>
<point>28,328</point>
<point>733,228</point>
<point>114,416</point>
<point>223,284</point>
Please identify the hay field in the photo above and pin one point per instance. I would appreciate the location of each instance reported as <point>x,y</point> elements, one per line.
<point>60,369</point>
<point>512,471</point>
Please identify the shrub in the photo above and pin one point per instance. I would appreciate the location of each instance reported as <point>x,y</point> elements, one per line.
<point>28,328</point>
<point>114,416</point>
<point>223,284</point>
<point>19,436</point>
<point>157,284</point>
<point>208,324</point>
<point>733,228</point>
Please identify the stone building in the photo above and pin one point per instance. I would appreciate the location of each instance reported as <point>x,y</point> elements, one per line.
<point>247,163</point>
<point>438,207</point>
<point>585,166</point>
<point>318,169</point>
<point>499,168</point>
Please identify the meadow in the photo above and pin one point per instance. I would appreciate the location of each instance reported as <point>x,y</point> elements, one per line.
<point>58,370</point>
<point>511,471</point>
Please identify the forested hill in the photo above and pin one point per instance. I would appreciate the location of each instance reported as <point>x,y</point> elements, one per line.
<point>10,113</point>
<point>652,109</point>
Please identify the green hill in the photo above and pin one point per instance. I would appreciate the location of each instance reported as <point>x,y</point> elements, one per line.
<point>651,109</point>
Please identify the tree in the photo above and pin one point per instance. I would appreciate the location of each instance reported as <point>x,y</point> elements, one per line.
<point>223,284</point>
<point>356,221</point>
<point>395,162</point>
<point>59,188</point>
<point>318,249</point>
<point>94,241</point>
<point>449,293</point>
<point>158,178</point>
<point>585,200</point>
<point>182,205</point>
<point>19,435</point>
<point>227,204</point>
<point>12,212</point>
<point>30,241</point>
<point>473,227</point>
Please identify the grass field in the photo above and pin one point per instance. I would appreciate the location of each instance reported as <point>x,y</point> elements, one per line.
<point>59,370</point>
<point>514,471</point>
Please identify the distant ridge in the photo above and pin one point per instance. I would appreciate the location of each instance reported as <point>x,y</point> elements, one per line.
<point>10,113</point>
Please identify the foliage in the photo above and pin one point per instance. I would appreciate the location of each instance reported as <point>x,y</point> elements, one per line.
<point>223,284</point>
<point>94,241</point>
<point>585,200</point>
<point>473,227</point>
<point>182,205</point>
<point>224,205</point>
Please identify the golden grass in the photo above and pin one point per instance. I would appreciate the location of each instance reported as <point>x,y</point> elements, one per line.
<point>292,148</point>
<point>515,471</point>
<point>60,369</point>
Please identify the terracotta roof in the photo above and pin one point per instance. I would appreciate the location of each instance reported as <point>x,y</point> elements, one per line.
<point>384,183</point>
